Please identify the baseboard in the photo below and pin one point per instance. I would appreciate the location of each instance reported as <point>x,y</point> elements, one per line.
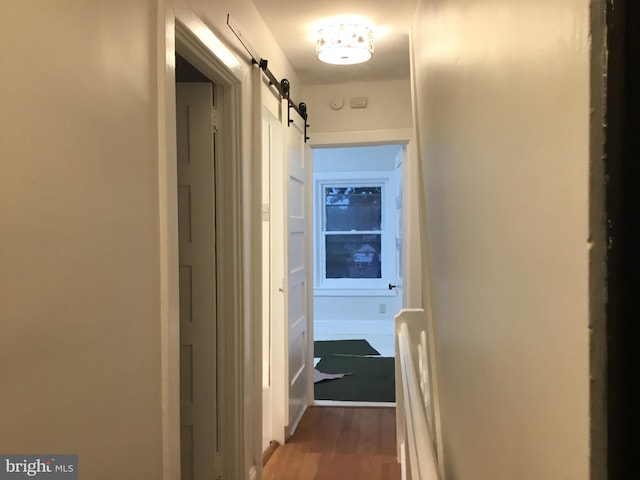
<point>337,403</point>
<point>354,327</point>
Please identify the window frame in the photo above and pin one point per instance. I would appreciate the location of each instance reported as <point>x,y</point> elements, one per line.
<point>383,179</point>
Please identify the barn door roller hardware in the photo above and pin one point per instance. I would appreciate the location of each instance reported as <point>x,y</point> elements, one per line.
<point>283,86</point>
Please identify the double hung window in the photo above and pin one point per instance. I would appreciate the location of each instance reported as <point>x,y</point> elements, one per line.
<point>352,245</point>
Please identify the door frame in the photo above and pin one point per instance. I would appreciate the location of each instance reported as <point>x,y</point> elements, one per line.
<point>179,28</point>
<point>412,278</point>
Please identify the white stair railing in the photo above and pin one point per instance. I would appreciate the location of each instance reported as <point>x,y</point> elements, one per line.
<point>414,409</point>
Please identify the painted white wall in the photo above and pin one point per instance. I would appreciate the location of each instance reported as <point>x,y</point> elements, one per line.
<point>80,303</point>
<point>503,115</point>
<point>389,106</point>
<point>83,347</point>
<point>355,159</point>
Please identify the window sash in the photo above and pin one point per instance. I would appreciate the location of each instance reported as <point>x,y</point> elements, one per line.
<point>357,207</point>
<point>353,256</point>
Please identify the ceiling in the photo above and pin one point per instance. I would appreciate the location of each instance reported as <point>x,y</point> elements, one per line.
<point>294,24</point>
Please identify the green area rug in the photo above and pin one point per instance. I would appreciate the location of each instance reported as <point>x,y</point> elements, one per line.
<point>372,379</point>
<point>325,348</point>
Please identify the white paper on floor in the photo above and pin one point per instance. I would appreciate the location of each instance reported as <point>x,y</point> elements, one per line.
<point>319,376</point>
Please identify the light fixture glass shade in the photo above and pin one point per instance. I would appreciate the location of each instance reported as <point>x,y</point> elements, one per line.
<point>344,44</point>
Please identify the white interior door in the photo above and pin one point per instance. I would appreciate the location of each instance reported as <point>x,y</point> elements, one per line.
<point>198,323</point>
<point>297,271</point>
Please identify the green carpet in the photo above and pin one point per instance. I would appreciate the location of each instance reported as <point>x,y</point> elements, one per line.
<point>372,379</point>
<point>325,348</point>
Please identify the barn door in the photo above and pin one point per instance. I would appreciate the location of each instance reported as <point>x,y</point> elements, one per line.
<point>297,271</point>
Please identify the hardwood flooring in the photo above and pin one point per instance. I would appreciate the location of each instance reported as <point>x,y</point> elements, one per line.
<point>339,443</point>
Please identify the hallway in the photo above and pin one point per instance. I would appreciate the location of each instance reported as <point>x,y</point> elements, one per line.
<point>519,194</point>
<point>339,443</point>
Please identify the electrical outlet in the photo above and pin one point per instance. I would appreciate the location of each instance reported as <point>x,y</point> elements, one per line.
<point>383,308</point>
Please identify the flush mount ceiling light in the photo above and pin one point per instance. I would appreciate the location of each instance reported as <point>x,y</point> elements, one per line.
<point>344,44</point>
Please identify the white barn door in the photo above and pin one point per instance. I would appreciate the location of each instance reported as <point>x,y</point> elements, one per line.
<point>297,271</point>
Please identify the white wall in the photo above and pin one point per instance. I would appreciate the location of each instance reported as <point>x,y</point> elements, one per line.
<point>503,116</point>
<point>388,107</point>
<point>80,305</point>
<point>355,159</point>
<point>82,343</point>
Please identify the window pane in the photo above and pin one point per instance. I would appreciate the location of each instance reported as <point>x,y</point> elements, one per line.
<point>353,208</point>
<point>353,256</point>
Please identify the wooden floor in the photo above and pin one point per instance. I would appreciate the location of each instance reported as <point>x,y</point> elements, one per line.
<point>339,443</point>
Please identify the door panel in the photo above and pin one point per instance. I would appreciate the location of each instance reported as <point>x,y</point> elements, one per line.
<point>198,323</point>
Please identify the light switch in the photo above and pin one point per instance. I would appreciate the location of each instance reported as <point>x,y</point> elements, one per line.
<point>359,102</point>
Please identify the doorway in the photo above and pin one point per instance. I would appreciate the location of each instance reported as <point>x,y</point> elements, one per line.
<point>357,251</point>
<point>197,155</point>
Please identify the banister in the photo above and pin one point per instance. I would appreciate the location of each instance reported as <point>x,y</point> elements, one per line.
<point>412,398</point>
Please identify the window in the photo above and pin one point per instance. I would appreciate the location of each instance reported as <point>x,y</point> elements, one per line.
<point>353,242</point>
<point>353,231</point>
